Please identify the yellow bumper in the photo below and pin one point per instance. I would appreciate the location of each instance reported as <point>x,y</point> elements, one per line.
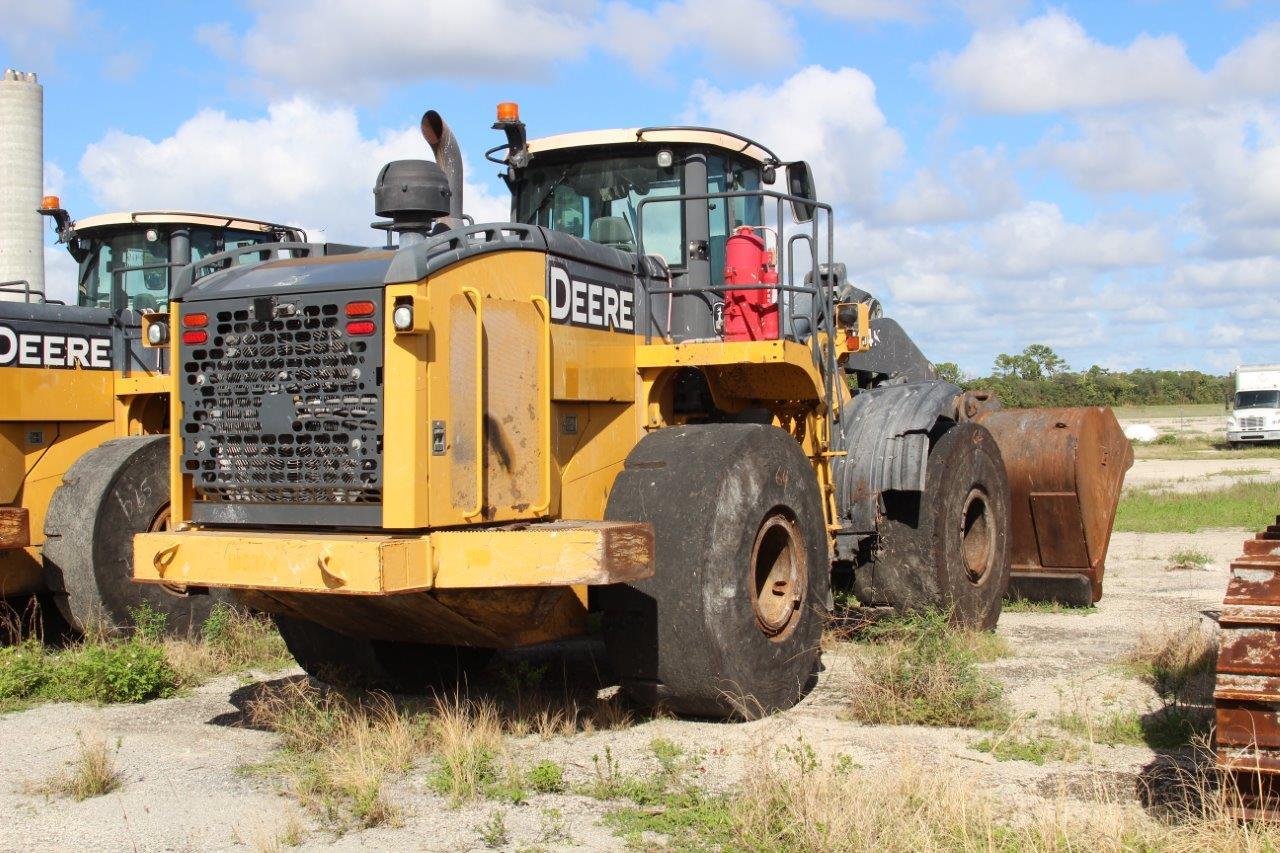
<point>14,528</point>
<point>553,554</point>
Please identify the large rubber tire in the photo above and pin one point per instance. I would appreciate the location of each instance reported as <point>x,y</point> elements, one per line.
<point>360,664</point>
<point>691,638</point>
<point>114,491</point>
<point>948,550</point>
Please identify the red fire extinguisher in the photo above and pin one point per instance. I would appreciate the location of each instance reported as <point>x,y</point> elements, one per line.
<point>749,315</point>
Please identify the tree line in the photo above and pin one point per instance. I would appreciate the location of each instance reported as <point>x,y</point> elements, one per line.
<point>1038,376</point>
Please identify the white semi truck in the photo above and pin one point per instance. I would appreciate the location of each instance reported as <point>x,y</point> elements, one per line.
<point>1255,408</point>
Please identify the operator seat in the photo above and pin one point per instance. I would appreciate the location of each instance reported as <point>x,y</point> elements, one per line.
<point>613,231</point>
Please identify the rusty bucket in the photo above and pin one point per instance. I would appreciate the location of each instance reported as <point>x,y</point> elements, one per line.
<point>1066,468</point>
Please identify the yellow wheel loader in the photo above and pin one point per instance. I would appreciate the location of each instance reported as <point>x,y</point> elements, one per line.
<point>84,409</point>
<point>653,394</point>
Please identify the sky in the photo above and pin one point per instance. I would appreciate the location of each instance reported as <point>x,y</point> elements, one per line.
<point>1101,177</point>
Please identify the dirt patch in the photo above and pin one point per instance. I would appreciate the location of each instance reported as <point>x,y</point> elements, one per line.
<point>181,760</point>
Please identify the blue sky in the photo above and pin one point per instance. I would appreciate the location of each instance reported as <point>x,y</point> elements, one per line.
<point>1101,177</point>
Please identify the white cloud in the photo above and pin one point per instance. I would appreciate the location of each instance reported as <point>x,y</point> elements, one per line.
<point>863,11</point>
<point>1036,240</point>
<point>31,31</point>
<point>346,48</point>
<point>645,38</point>
<point>1226,157</point>
<point>54,178</point>
<point>301,163</point>
<point>59,275</point>
<point>1050,63</point>
<point>340,48</point>
<point>980,184</point>
<point>829,118</point>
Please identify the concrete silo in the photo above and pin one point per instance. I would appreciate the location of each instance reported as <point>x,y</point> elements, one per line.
<point>21,185</point>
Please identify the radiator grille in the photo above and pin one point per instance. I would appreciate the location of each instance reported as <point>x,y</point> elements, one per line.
<point>282,405</point>
<point>1251,422</point>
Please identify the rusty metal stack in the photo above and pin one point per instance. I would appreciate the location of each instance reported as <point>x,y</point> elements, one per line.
<point>1247,694</point>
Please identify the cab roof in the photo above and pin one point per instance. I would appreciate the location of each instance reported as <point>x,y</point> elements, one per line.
<point>673,135</point>
<point>178,217</point>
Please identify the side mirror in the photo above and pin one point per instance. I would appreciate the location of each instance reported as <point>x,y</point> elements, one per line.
<point>800,182</point>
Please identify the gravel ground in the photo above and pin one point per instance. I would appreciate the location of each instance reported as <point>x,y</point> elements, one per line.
<point>180,757</point>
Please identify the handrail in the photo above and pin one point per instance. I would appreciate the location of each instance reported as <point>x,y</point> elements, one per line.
<point>544,308</point>
<point>21,285</point>
<point>473,295</point>
<point>824,360</point>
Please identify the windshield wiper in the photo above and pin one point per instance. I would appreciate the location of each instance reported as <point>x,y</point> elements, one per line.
<point>547,194</point>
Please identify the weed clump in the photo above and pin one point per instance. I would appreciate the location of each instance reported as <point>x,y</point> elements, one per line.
<point>338,752</point>
<point>923,671</point>
<point>231,640</point>
<point>1187,560</point>
<point>1037,747</point>
<point>91,773</point>
<point>133,670</point>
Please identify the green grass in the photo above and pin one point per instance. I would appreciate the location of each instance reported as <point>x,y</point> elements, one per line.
<point>1188,559</point>
<point>1251,504</point>
<point>1169,727</point>
<point>663,802</point>
<point>1022,605</point>
<point>1176,410</point>
<point>923,671</point>
<point>1202,447</point>
<point>132,670</point>
<point>1036,747</point>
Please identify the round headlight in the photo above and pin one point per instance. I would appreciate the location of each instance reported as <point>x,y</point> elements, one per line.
<point>665,158</point>
<point>402,318</point>
<point>157,334</point>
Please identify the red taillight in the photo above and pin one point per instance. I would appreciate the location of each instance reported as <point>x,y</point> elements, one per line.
<point>199,336</point>
<point>361,327</point>
<point>195,320</point>
<point>360,309</point>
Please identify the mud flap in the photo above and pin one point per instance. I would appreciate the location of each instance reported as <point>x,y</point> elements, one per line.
<point>1066,468</point>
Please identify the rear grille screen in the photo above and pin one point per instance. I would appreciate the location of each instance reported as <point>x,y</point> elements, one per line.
<point>282,405</point>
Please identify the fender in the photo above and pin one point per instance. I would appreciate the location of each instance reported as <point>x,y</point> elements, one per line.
<point>885,433</point>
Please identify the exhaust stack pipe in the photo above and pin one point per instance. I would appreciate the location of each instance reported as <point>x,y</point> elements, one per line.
<point>449,157</point>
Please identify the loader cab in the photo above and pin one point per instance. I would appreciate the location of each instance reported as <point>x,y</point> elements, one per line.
<point>127,260</point>
<point>646,190</point>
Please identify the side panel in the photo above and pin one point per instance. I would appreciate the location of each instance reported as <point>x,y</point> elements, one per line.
<point>486,391</point>
<point>519,343</point>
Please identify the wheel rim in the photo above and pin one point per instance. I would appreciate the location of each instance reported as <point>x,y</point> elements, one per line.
<point>779,577</point>
<point>977,529</point>
<point>160,524</point>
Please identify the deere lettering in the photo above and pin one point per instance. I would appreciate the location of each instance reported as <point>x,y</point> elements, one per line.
<point>594,304</point>
<point>36,349</point>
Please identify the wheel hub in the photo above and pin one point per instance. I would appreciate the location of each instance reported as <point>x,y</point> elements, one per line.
<point>159,524</point>
<point>779,576</point>
<point>977,531</point>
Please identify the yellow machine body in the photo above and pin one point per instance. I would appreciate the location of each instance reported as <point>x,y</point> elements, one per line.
<point>540,417</point>
<point>52,417</point>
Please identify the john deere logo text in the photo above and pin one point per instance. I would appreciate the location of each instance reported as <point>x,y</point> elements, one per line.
<point>36,349</point>
<point>593,304</point>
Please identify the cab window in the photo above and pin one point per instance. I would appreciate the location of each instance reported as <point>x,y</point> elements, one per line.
<point>730,175</point>
<point>599,200</point>
<point>127,270</point>
<point>211,241</point>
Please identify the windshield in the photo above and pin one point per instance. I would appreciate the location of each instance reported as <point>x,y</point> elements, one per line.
<point>1257,399</point>
<point>597,200</point>
<point>131,267</point>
